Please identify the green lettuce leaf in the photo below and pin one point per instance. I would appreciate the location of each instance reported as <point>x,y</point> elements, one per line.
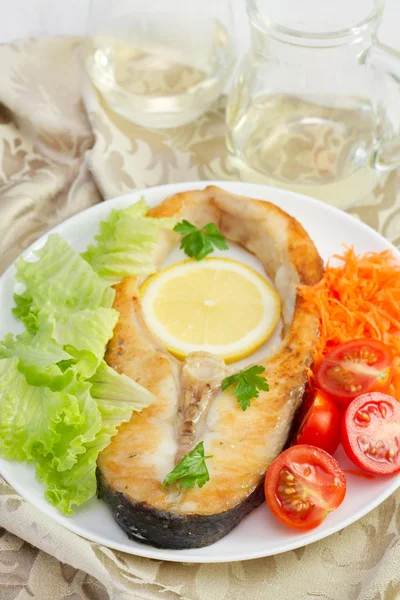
<point>54,362</point>
<point>115,397</point>
<point>26,311</point>
<point>53,377</point>
<point>114,393</point>
<point>34,350</point>
<point>61,282</point>
<point>72,438</point>
<point>84,336</point>
<point>78,342</point>
<point>88,330</point>
<point>125,243</point>
<point>63,432</point>
<point>30,415</point>
<point>83,363</point>
<point>60,403</point>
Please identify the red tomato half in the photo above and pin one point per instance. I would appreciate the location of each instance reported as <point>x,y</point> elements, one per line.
<point>303,485</point>
<point>321,425</point>
<point>355,368</point>
<point>371,433</point>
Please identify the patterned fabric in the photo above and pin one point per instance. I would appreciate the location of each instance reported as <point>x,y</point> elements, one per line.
<point>53,162</point>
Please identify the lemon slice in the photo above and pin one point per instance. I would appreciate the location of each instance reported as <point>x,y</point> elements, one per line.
<point>215,305</point>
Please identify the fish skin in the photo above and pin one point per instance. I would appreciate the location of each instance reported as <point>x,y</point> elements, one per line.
<point>132,468</point>
<point>167,530</point>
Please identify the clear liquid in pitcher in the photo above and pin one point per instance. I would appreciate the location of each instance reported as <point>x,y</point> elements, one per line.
<point>309,148</point>
<point>154,82</point>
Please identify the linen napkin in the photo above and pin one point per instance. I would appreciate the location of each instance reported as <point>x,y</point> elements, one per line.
<point>58,156</point>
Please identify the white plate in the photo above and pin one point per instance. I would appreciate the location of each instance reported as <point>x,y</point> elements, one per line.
<point>259,534</point>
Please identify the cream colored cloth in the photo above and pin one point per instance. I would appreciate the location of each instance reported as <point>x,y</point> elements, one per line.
<point>48,173</point>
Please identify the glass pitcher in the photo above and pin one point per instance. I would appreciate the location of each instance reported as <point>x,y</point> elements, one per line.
<point>315,105</point>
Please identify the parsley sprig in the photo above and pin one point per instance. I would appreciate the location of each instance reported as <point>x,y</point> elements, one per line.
<point>197,243</point>
<point>246,384</point>
<point>191,470</point>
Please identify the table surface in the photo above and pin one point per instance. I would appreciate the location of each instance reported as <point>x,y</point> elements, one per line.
<point>22,18</point>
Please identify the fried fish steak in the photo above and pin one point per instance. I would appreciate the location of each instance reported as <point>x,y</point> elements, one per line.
<point>190,406</point>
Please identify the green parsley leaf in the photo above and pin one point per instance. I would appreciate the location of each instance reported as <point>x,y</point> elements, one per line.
<point>191,470</point>
<point>215,236</point>
<point>246,384</point>
<point>184,227</point>
<point>197,243</point>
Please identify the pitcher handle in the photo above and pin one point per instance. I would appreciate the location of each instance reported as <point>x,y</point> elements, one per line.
<point>387,61</point>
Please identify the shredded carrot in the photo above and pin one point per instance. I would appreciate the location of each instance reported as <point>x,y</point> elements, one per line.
<point>358,298</point>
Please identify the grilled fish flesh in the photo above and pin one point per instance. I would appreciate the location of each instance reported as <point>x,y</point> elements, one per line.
<point>190,406</point>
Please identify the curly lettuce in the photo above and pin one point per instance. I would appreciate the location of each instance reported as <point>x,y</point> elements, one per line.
<point>125,243</point>
<point>60,403</point>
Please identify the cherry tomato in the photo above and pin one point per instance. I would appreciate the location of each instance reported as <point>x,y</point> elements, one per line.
<point>303,485</point>
<point>371,433</point>
<point>321,424</point>
<point>355,368</point>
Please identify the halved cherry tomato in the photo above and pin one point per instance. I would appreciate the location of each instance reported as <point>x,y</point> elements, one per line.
<point>371,433</point>
<point>321,424</point>
<point>355,368</point>
<point>303,485</point>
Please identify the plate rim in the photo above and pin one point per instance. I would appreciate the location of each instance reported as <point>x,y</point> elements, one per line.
<point>148,551</point>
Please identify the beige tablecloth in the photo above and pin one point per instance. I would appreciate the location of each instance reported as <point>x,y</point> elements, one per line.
<point>54,162</point>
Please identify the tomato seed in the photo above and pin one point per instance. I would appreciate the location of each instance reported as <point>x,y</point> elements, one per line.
<point>363,442</point>
<point>363,416</point>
